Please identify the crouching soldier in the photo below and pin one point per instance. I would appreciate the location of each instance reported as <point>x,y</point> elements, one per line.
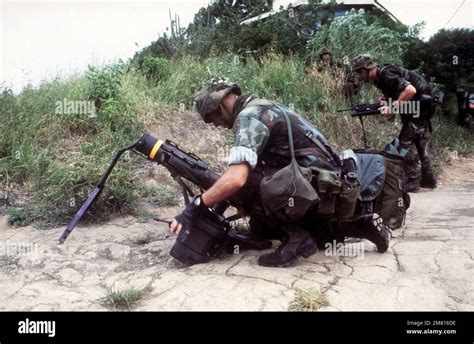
<point>262,148</point>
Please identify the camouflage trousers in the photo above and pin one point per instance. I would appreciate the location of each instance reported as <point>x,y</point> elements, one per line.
<point>414,138</point>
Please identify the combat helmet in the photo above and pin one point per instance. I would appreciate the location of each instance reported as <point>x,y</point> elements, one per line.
<point>323,51</point>
<point>363,61</point>
<point>209,97</point>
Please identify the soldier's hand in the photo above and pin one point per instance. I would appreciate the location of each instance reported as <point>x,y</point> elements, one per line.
<point>386,111</point>
<point>175,227</point>
<point>186,218</point>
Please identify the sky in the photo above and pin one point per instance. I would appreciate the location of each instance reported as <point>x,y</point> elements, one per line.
<point>437,14</point>
<point>44,39</point>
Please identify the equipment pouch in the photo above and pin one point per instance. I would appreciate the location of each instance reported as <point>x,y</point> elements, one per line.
<point>329,186</point>
<point>347,198</point>
<point>288,193</point>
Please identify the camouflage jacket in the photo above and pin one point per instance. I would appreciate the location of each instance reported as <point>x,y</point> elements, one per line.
<point>261,138</point>
<point>392,80</point>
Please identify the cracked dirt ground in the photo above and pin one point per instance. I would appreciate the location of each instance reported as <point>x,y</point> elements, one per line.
<point>429,265</point>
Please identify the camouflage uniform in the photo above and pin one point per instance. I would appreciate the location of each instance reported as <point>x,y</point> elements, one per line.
<point>327,65</point>
<point>336,69</point>
<point>392,81</point>
<point>261,139</point>
<point>465,97</point>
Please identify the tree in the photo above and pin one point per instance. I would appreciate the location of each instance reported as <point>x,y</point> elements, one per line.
<point>217,27</point>
<point>415,49</point>
<point>350,35</point>
<point>449,58</point>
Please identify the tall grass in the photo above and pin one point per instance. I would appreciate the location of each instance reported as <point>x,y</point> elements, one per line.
<point>59,157</point>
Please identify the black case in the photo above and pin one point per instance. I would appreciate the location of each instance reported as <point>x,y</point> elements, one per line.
<point>206,239</point>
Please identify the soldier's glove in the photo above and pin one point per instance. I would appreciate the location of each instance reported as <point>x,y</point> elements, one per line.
<point>386,111</point>
<point>187,216</point>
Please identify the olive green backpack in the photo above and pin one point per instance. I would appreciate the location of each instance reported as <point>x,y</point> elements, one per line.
<point>382,185</point>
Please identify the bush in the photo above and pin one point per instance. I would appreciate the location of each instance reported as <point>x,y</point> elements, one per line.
<point>180,87</point>
<point>104,88</point>
<point>58,157</point>
<point>156,68</point>
<point>349,36</point>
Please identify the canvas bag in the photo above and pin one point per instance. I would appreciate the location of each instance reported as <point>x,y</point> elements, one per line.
<point>288,192</point>
<point>382,184</point>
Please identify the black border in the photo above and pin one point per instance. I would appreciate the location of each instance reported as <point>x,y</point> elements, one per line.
<point>137,327</point>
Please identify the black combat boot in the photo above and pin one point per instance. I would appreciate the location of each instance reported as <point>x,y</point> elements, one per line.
<point>264,230</point>
<point>307,247</point>
<point>245,240</point>
<point>376,231</point>
<point>370,227</point>
<point>412,186</point>
<point>428,181</point>
<point>289,250</point>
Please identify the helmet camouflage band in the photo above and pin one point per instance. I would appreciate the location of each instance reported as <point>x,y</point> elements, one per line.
<point>363,61</point>
<point>209,97</point>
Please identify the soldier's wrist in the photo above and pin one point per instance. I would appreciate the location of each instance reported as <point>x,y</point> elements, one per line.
<point>204,201</point>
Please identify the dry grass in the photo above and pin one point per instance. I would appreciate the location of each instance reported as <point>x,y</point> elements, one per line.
<point>308,301</point>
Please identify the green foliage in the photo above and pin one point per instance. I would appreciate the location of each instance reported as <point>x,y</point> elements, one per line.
<point>447,58</point>
<point>449,136</point>
<point>216,28</point>
<point>9,110</point>
<point>126,299</point>
<point>105,82</point>
<point>180,87</point>
<point>105,88</point>
<point>19,217</point>
<point>160,195</point>
<point>156,68</point>
<point>162,47</point>
<point>414,51</point>
<point>350,35</point>
<point>273,76</point>
<point>60,156</point>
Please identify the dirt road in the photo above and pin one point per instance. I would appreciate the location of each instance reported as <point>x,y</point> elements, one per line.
<point>429,265</point>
